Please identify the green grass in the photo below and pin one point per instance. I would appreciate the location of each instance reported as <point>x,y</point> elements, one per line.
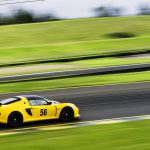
<point>54,40</point>
<point>75,82</point>
<point>51,52</point>
<point>121,136</point>
<point>71,31</point>
<point>105,62</point>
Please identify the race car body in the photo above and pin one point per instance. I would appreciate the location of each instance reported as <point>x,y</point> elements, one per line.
<point>28,108</point>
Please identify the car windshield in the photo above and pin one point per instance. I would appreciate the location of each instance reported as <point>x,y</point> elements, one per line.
<point>10,100</point>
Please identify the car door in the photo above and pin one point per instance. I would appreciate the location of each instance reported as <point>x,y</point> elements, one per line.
<point>42,110</point>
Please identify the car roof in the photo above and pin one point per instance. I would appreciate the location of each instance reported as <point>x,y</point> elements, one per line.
<point>31,97</point>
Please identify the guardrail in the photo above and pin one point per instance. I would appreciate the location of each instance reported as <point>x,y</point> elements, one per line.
<point>75,73</point>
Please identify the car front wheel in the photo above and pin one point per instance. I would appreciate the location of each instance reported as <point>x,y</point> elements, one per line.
<point>67,114</point>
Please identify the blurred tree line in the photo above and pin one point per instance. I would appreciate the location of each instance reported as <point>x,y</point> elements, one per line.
<point>24,16</point>
<point>144,10</point>
<point>109,11</point>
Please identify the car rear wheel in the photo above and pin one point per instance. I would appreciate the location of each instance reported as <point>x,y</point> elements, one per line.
<point>67,114</point>
<point>15,119</point>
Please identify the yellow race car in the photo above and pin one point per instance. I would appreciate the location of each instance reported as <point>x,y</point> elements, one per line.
<point>28,108</point>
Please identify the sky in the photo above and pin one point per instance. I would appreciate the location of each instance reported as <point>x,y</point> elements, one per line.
<point>73,8</point>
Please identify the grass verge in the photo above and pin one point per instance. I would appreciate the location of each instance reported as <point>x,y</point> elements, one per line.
<point>121,136</point>
<point>75,82</point>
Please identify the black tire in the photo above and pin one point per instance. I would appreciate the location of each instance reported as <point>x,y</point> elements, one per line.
<point>67,114</point>
<point>15,119</point>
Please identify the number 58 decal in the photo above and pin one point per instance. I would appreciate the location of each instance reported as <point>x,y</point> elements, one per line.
<point>43,112</point>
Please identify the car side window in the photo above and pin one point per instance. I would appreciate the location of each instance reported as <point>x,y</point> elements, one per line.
<point>42,102</point>
<point>38,102</point>
<point>33,102</point>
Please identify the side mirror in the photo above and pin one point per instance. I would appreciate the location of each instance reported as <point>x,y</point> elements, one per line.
<point>49,103</point>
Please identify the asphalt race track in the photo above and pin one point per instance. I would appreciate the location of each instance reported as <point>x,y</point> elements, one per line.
<point>101,102</point>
